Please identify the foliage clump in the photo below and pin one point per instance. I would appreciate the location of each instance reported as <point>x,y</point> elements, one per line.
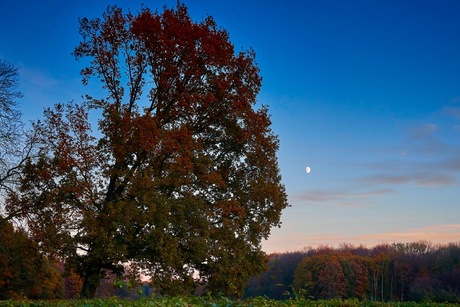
<point>24,272</point>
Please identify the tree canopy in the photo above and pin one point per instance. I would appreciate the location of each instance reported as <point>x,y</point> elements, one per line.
<point>180,179</point>
<point>413,271</point>
<point>24,272</point>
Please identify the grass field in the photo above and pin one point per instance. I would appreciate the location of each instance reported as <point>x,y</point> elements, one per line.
<point>206,301</point>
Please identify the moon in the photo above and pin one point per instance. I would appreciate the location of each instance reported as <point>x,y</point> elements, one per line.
<point>308,169</point>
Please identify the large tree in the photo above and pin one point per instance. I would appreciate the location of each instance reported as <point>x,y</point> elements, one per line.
<point>181,179</point>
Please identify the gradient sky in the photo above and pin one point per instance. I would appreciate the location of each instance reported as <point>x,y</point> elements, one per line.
<point>366,93</point>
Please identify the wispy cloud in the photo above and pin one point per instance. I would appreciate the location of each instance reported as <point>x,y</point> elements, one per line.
<point>423,139</point>
<point>386,179</point>
<point>452,111</point>
<point>436,180</point>
<point>37,77</point>
<point>345,198</point>
<point>424,159</point>
<point>450,164</point>
<point>455,99</point>
<point>424,130</point>
<point>42,89</point>
<point>419,179</point>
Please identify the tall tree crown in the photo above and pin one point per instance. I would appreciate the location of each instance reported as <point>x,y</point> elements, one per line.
<point>182,180</point>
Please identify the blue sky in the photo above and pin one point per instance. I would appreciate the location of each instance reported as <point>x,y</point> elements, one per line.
<point>366,93</point>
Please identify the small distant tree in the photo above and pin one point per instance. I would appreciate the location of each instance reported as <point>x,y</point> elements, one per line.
<point>10,118</point>
<point>306,275</point>
<point>181,180</point>
<point>356,274</point>
<point>14,147</point>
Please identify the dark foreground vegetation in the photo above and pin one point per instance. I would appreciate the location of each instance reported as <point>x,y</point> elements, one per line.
<point>215,302</point>
<point>194,301</point>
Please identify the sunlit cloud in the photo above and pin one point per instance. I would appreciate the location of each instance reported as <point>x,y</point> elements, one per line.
<point>437,234</point>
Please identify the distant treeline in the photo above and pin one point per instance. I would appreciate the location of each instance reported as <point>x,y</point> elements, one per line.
<point>418,271</point>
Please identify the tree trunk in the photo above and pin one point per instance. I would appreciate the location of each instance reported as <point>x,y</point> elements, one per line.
<point>382,284</point>
<point>391,287</point>
<point>402,289</point>
<point>90,282</point>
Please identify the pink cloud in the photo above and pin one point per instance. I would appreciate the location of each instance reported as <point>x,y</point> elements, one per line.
<point>424,179</point>
<point>337,197</point>
<point>435,181</point>
<point>436,233</point>
<point>441,234</point>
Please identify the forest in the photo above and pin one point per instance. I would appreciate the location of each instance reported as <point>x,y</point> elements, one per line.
<point>417,271</point>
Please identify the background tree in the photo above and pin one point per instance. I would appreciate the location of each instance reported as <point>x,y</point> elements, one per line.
<point>307,273</point>
<point>10,117</point>
<point>71,280</point>
<point>15,144</point>
<point>416,271</point>
<point>276,283</point>
<point>182,180</point>
<point>355,271</point>
<point>24,272</point>
<point>331,279</point>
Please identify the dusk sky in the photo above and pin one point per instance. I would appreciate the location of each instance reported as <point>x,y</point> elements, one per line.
<point>365,93</point>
